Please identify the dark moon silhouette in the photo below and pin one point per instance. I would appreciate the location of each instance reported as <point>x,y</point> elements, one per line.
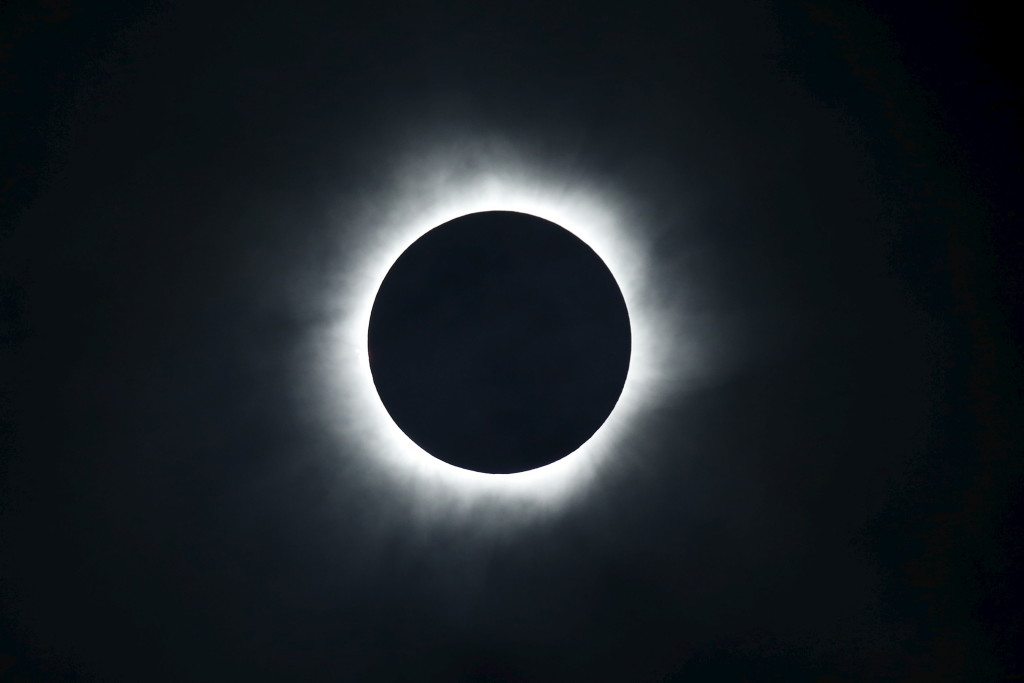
<point>499,342</point>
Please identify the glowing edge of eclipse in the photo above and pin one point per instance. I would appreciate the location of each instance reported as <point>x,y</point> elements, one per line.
<point>420,206</point>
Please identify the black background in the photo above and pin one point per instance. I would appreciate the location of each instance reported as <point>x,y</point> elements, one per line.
<point>829,190</point>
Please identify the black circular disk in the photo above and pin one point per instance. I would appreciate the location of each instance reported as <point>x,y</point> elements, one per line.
<point>499,342</point>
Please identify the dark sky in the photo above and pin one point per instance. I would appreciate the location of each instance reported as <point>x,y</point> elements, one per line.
<point>821,485</point>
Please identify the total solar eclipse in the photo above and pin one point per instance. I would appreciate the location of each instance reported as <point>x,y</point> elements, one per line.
<point>499,342</point>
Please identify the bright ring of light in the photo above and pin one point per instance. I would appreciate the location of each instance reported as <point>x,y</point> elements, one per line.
<point>425,202</point>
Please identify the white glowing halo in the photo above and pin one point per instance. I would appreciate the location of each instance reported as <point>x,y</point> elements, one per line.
<point>419,206</point>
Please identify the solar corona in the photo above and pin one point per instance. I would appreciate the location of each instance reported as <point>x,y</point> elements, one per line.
<point>432,193</point>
